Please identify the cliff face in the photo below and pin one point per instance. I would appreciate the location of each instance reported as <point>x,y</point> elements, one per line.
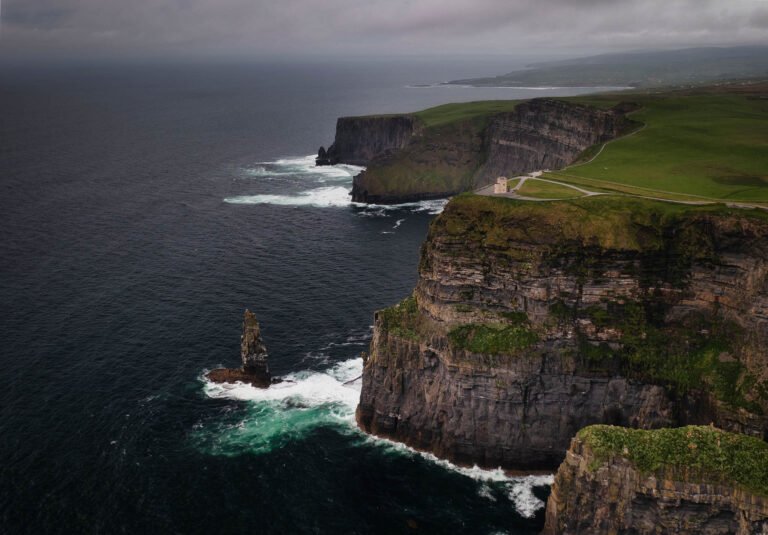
<point>459,156</point>
<point>438,163</point>
<point>697,490</point>
<point>545,134</point>
<point>360,139</point>
<point>533,320</point>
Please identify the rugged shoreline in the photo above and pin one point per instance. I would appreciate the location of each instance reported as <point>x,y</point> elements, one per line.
<point>409,158</point>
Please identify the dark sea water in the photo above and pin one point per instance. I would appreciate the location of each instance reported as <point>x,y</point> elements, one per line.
<point>142,208</point>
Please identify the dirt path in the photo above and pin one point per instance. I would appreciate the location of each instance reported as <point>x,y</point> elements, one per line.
<point>513,194</point>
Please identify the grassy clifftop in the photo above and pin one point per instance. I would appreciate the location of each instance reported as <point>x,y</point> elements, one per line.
<point>610,222</point>
<point>713,455</point>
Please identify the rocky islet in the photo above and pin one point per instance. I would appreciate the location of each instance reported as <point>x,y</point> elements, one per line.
<point>254,356</point>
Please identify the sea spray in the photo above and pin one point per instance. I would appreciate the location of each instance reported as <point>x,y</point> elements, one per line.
<point>302,172</point>
<point>306,400</point>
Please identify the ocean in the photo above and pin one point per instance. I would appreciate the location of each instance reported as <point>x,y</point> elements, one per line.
<point>142,209</point>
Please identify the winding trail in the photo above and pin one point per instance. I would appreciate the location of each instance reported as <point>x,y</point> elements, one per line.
<point>513,194</point>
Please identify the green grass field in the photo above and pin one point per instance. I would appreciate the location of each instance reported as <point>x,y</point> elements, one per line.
<point>693,147</point>
<point>449,113</point>
<point>512,183</point>
<point>539,189</point>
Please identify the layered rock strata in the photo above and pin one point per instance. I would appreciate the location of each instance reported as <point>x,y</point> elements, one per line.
<point>546,134</point>
<point>531,321</point>
<point>683,481</point>
<point>359,139</point>
<point>253,353</point>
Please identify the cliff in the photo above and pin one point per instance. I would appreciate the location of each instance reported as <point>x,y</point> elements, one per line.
<point>359,139</point>
<point>438,163</point>
<point>416,160</point>
<point>546,134</point>
<point>531,321</point>
<point>691,480</point>
<point>253,354</point>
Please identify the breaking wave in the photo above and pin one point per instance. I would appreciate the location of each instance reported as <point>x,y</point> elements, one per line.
<point>307,400</point>
<point>332,187</point>
<point>319,197</point>
<point>517,489</point>
<point>285,411</point>
<point>302,166</point>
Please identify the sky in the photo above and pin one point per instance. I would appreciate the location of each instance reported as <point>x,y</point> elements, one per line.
<point>82,28</point>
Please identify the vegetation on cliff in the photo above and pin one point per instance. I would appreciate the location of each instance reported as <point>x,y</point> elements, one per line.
<point>660,243</point>
<point>685,356</point>
<point>402,319</point>
<point>494,339</point>
<point>438,163</point>
<point>610,222</point>
<point>702,453</point>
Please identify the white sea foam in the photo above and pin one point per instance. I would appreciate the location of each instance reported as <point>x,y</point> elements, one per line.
<point>519,489</point>
<point>434,206</point>
<point>302,167</point>
<point>307,399</point>
<point>322,196</point>
<point>520,492</point>
<point>328,196</point>
<point>305,389</point>
<point>337,197</point>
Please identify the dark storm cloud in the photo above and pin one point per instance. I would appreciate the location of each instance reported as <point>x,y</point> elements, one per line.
<point>376,26</point>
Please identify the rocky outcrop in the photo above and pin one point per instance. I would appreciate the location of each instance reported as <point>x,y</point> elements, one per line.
<point>253,353</point>
<point>683,481</point>
<point>408,161</point>
<point>533,320</point>
<point>360,139</point>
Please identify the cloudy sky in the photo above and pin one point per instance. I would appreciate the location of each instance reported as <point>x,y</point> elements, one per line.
<point>382,27</point>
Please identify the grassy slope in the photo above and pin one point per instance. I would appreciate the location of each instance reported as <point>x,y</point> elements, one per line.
<point>695,452</point>
<point>712,146</point>
<point>546,190</point>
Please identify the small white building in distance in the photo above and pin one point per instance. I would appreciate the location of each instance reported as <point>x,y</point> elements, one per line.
<point>501,185</point>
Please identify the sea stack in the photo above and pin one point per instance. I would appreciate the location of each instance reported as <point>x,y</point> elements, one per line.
<point>253,352</point>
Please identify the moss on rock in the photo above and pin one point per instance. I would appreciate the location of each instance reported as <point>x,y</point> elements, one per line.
<point>703,453</point>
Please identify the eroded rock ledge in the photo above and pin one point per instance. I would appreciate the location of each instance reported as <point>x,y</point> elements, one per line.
<point>691,480</point>
<point>531,321</point>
